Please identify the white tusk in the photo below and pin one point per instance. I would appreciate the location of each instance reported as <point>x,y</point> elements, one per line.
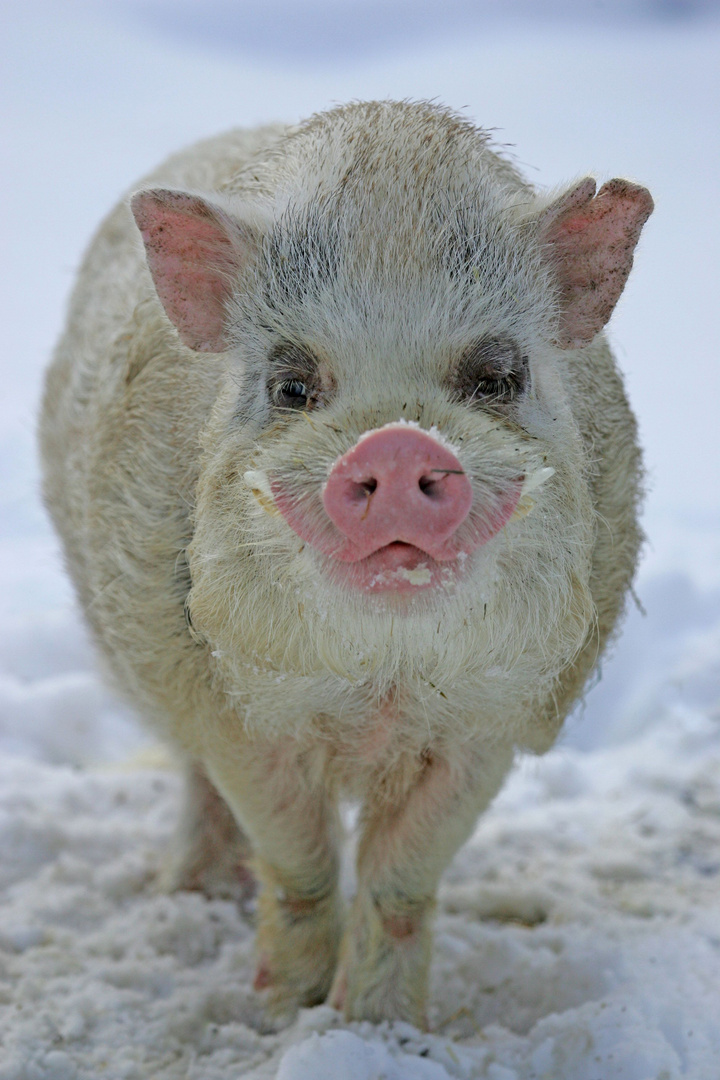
<point>536,480</point>
<point>531,483</point>
<point>259,485</point>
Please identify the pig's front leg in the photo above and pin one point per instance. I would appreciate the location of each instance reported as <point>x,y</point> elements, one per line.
<point>404,848</point>
<point>294,830</point>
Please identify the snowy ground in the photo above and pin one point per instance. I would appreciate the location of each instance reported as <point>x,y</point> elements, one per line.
<point>578,935</point>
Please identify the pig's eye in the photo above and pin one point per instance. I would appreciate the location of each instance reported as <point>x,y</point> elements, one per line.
<point>290,394</point>
<point>492,372</point>
<point>294,382</point>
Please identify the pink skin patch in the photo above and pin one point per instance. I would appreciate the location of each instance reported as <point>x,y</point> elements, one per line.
<point>399,513</point>
<point>401,927</point>
<point>263,976</point>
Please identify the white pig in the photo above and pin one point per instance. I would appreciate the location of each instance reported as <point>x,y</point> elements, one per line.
<point>347,484</point>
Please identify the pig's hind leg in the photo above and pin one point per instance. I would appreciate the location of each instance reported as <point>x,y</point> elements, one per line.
<point>405,845</point>
<point>209,852</point>
<point>295,832</point>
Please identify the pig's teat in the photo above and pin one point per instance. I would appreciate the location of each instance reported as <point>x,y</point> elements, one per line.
<point>397,484</point>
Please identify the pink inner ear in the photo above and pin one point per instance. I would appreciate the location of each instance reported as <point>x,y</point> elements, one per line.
<point>193,250</point>
<point>593,241</point>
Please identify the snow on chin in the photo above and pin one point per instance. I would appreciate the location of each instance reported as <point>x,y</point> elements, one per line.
<point>396,568</point>
<point>400,578</point>
<point>419,576</point>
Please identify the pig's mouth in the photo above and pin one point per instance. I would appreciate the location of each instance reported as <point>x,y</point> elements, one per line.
<point>396,567</point>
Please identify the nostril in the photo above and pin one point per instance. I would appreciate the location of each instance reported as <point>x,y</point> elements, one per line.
<point>361,490</point>
<point>428,485</point>
<point>431,483</point>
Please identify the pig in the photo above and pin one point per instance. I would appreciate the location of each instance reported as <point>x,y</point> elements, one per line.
<point>347,484</point>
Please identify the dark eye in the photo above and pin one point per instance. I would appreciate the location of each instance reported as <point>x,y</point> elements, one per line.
<point>492,372</point>
<point>290,394</point>
<point>294,381</point>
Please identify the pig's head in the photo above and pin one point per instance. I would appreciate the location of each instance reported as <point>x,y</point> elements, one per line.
<point>394,458</point>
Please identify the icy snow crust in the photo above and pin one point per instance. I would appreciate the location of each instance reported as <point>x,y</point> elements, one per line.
<point>578,933</point>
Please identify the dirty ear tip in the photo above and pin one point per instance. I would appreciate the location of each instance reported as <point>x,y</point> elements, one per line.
<point>168,199</point>
<point>138,201</point>
<point>585,189</point>
<point>147,195</point>
<point>142,201</point>
<point>633,193</point>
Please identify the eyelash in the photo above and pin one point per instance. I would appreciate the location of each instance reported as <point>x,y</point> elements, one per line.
<point>293,389</point>
<point>504,389</point>
<point>493,373</point>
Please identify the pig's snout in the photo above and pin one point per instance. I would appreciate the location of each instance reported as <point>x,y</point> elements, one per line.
<point>397,484</point>
<point>398,509</point>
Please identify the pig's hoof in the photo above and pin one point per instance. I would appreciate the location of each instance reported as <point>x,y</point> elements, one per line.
<point>390,985</point>
<point>287,991</point>
<point>298,939</point>
<point>383,1003</point>
<point>279,994</point>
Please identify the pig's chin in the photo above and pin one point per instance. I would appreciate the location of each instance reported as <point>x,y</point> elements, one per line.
<point>395,568</point>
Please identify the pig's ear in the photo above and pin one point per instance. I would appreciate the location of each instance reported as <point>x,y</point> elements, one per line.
<point>592,239</point>
<point>195,251</point>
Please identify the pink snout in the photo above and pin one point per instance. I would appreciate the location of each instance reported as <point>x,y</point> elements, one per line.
<point>397,484</point>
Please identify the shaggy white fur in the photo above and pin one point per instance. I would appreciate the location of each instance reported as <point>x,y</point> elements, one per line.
<point>370,256</point>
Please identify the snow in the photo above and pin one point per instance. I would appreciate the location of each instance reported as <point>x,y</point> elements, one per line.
<point>577,936</point>
<point>578,933</point>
